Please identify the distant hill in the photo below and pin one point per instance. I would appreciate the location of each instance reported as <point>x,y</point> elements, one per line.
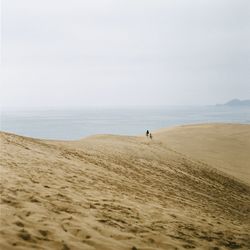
<point>236,102</point>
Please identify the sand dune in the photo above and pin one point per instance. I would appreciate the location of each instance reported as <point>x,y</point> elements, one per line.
<point>223,146</point>
<point>118,192</point>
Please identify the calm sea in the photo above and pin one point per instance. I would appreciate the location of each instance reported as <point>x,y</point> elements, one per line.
<point>70,124</point>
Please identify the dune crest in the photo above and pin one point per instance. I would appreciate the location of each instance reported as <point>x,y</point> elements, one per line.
<point>118,192</point>
<point>223,146</point>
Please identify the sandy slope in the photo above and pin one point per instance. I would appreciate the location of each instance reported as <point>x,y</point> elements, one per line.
<point>223,146</point>
<point>114,192</point>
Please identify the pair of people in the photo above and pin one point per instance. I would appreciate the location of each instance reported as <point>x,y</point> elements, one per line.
<point>148,134</point>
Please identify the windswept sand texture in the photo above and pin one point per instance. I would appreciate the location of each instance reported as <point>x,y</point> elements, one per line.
<point>117,192</point>
<point>223,146</point>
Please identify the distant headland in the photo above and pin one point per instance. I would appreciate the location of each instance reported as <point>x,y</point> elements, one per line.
<point>236,103</point>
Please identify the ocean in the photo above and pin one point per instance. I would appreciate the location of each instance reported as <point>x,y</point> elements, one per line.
<point>73,124</point>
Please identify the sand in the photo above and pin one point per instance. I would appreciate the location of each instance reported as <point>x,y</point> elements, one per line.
<point>223,146</point>
<point>120,192</point>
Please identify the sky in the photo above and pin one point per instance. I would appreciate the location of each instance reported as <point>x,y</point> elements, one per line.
<point>117,53</point>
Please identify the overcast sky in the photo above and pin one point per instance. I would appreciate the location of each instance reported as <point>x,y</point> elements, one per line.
<point>116,52</point>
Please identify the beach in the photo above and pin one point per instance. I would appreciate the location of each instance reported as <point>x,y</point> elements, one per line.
<point>187,188</point>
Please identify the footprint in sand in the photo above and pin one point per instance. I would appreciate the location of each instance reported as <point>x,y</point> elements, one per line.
<point>44,233</point>
<point>19,224</point>
<point>24,235</point>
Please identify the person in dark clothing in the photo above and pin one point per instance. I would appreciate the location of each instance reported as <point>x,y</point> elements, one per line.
<point>147,133</point>
<point>151,136</point>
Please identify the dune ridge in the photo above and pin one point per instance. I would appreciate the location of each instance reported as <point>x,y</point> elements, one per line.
<point>222,146</point>
<point>123,192</point>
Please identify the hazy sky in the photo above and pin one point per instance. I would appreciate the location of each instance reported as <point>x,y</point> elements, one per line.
<point>116,52</point>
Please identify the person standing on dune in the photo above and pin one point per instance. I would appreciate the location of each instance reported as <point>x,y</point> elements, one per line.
<point>151,136</point>
<point>147,133</point>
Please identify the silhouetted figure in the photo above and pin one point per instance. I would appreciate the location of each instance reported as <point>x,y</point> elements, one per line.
<point>147,133</point>
<point>151,136</point>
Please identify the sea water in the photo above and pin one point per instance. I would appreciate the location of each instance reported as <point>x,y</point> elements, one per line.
<point>77,123</point>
